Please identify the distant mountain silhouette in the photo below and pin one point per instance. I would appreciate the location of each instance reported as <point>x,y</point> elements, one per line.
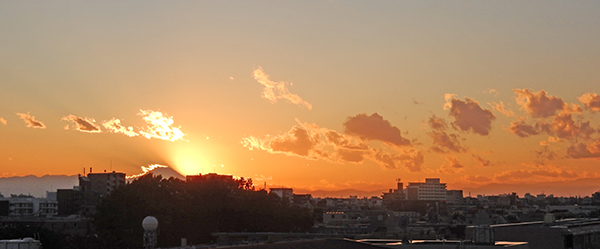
<point>343,193</point>
<point>36,186</point>
<point>578,187</point>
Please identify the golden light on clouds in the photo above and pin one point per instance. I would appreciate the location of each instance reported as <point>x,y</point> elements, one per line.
<point>30,121</point>
<point>146,170</point>
<point>160,126</point>
<point>277,90</point>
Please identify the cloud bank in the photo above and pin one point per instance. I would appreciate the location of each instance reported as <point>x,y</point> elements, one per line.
<point>554,117</point>
<point>354,145</point>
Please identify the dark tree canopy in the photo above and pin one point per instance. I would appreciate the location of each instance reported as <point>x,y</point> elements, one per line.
<point>193,210</point>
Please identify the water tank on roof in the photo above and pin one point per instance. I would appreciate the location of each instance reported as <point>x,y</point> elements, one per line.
<point>150,223</point>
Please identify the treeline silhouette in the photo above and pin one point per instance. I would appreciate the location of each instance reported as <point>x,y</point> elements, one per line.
<point>193,210</point>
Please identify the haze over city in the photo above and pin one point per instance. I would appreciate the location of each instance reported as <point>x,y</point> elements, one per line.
<point>317,96</point>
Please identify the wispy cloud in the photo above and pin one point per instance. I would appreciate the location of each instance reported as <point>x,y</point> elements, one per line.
<point>469,116</point>
<point>482,161</point>
<point>3,121</point>
<point>277,90</point>
<point>452,166</point>
<point>83,124</point>
<point>313,142</point>
<point>499,107</point>
<point>30,121</point>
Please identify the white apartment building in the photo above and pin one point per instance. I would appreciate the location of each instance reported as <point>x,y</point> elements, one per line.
<point>430,190</point>
<point>29,205</point>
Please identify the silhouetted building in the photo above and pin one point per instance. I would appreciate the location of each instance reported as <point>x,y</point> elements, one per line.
<point>4,208</point>
<point>550,233</point>
<point>284,193</point>
<point>84,198</point>
<point>76,201</point>
<point>102,183</point>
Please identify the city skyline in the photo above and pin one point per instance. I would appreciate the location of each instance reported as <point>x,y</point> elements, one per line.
<point>321,95</point>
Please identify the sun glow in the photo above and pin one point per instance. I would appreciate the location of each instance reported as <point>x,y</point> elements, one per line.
<point>188,160</point>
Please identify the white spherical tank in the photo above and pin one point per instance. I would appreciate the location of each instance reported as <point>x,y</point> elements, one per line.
<point>150,223</point>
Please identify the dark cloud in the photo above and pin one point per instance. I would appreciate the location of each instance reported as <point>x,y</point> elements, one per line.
<point>411,161</point>
<point>469,116</point>
<point>538,104</point>
<point>30,121</point>
<point>582,150</point>
<point>452,166</point>
<point>83,124</point>
<point>483,162</point>
<point>312,142</point>
<point>521,129</point>
<point>443,142</point>
<point>374,127</point>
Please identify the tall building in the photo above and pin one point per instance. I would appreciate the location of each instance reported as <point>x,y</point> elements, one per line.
<point>284,193</point>
<point>102,183</point>
<point>430,190</point>
<point>84,198</point>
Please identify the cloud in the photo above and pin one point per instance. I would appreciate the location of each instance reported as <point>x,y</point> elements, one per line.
<point>476,178</point>
<point>469,116</point>
<point>83,124</point>
<point>499,107</point>
<point>564,126</point>
<point>483,162</point>
<point>3,121</point>
<point>538,104</point>
<point>296,141</point>
<point>442,141</point>
<point>521,129</point>
<point>452,166</point>
<point>160,126</point>
<point>316,143</point>
<point>534,174</point>
<point>277,90</point>
<point>591,101</point>
<point>492,92</point>
<point>585,150</point>
<point>146,170</point>
<point>374,127</point>
<point>30,121</point>
<point>114,126</point>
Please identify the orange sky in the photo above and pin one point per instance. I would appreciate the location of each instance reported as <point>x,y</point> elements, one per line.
<point>321,95</point>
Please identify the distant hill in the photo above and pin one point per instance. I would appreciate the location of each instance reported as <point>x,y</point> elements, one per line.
<point>343,193</point>
<point>36,186</point>
<point>578,187</point>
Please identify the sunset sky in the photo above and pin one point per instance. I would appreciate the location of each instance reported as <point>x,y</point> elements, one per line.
<point>314,95</point>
